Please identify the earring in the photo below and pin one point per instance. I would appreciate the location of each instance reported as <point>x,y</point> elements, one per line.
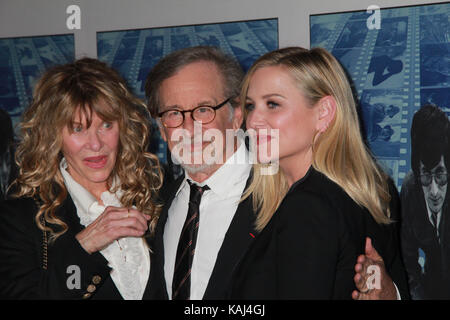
<point>317,134</point>
<point>325,127</point>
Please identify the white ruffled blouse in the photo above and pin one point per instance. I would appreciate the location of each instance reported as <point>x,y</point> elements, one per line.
<point>129,257</point>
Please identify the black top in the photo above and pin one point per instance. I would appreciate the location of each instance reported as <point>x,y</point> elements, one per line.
<point>431,279</point>
<point>309,248</point>
<point>71,272</point>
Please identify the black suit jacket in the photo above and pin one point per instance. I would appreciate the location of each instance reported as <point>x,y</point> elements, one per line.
<point>432,279</point>
<point>236,241</point>
<point>309,248</point>
<point>21,272</point>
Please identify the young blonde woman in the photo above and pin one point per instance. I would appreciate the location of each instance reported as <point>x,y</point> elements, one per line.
<point>85,193</point>
<point>328,195</point>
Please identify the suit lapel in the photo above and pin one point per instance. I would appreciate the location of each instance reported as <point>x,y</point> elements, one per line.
<point>68,213</point>
<point>236,242</point>
<point>158,289</point>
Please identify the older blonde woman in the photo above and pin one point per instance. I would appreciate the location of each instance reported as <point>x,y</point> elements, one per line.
<point>85,193</point>
<point>313,215</point>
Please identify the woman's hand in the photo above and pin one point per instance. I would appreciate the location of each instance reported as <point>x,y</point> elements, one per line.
<point>114,223</point>
<point>371,278</point>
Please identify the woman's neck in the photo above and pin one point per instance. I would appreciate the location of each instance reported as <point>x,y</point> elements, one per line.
<point>94,188</point>
<point>296,166</point>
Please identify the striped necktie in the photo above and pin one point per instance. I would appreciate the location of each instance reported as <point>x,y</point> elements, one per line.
<point>181,284</point>
<point>435,223</point>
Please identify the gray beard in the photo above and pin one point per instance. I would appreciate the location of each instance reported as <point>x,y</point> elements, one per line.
<point>196,168</point>
<point>192,168</point>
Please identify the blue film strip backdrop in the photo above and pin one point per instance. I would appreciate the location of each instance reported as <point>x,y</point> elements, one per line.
<point>134,52</point>
<point>395,70</point>
<point>22,61</point>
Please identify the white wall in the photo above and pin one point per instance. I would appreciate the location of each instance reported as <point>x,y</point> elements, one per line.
<point>46,17</point>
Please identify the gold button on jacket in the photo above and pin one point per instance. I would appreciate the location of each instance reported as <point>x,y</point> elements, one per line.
<point>91,288</point>
<point>96,279</point>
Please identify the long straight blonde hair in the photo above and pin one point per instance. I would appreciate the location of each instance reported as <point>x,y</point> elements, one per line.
<point>339,153</point>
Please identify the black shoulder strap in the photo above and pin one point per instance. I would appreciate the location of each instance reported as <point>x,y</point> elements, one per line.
<point>44,246</point>
<point>44,238</point>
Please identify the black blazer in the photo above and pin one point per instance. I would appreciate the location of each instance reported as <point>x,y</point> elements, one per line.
<point>309,248</point>
<point>236,241</point>
<point>21,273</point>
<point>432,280</point>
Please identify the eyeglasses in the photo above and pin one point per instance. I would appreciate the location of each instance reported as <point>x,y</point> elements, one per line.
<point>174,118</point>
<point>440,178</point>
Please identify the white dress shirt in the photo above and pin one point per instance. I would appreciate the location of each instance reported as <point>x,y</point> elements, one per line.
<point>129,257</point>
<point>217,208</point>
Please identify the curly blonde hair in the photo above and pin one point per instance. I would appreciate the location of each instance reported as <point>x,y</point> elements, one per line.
<point>85,86</point>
